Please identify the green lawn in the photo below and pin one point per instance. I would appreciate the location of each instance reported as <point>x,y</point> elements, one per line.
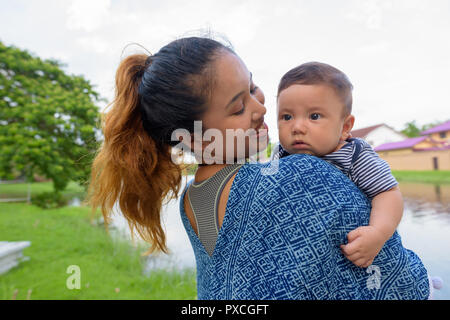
<point>435,177</point>
<point>110,269</point>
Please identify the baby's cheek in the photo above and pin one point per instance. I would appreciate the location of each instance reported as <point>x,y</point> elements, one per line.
<point>283,136</point>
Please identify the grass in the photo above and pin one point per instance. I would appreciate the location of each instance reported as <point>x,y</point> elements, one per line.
<point>434,177</point>
<point>110,268</point>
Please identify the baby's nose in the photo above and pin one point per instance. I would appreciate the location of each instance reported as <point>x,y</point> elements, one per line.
<point>299,126</point>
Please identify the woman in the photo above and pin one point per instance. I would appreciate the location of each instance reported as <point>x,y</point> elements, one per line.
<point>255,235</point>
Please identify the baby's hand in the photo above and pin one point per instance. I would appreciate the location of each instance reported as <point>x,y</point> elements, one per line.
<point>363,245</point>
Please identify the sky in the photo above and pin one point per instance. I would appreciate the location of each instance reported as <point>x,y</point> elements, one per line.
<point>396,53</point>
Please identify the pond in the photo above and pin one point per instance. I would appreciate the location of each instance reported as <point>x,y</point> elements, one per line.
<point>180,255</point>
<point>425,229</point>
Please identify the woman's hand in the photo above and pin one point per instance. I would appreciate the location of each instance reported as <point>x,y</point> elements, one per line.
<point>363,245</point>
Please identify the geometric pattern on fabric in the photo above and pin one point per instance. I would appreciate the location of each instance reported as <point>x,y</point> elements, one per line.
<point>281,237</point>
<point>358,161</point>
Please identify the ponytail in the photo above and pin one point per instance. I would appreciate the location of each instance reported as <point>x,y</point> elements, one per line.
<point>130,166</point>
<point>154,96</point>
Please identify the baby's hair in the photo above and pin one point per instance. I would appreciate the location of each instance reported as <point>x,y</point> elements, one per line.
<point>311,73</point>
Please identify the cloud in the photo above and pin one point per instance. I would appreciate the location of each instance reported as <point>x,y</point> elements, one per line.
<point>87,15</point>
<point>394,52</point>
<point>369,12</point>
<point>93,44</point>
<point>374,48</point>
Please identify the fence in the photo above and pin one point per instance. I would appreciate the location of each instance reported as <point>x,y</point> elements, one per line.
<point>27,199</point>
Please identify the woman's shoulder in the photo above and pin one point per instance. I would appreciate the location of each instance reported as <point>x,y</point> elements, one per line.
<point>297,173</point>
<point>292,167</point>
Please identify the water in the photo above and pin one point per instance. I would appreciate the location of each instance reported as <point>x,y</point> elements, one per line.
<point>180,255</point>
<point>425,229</point>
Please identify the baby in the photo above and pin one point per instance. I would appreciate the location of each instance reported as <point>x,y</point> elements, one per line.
<point>314,106</point>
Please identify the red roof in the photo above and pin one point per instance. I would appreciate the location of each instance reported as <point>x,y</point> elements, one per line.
<point>362,133</point>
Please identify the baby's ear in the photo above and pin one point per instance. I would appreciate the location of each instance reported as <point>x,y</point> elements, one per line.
<point>349,121</point>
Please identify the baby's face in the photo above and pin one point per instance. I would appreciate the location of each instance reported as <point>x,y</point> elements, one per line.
<point>311,120</point>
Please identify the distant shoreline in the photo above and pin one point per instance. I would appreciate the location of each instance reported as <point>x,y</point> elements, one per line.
<point>433,177</point>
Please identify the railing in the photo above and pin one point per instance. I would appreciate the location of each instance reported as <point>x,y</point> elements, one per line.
<point>27,199</point>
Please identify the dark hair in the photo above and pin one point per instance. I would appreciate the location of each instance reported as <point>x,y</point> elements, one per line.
<point>311,73</point>
<point>175,86</point>
<point>154,96</point>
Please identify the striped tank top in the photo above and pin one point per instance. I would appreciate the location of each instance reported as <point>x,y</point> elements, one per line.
<point>204,200</point>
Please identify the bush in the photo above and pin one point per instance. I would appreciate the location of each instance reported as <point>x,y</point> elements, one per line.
<point>49,200</point>
<point>190,169</point>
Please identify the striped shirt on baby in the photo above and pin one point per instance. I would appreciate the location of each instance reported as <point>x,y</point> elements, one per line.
<point>358,161</point>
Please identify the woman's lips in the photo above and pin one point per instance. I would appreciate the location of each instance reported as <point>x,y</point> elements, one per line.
<point>263,130</point>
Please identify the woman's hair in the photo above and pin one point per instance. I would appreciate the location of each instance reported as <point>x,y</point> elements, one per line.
<point>154,95</point>
<point>311,73</point>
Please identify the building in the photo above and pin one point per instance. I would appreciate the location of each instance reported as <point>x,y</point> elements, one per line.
<point>431,151</point>
<point>439,133</point>
<point>378,134</point>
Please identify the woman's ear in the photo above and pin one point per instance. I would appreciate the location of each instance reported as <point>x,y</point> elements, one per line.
<point>349,121</point>
<point>193,144</point>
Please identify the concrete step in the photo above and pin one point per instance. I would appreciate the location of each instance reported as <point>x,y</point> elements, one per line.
<point>11,254</point>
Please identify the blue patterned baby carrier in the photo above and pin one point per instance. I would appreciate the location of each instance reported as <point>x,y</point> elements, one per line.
<point>281,237</point>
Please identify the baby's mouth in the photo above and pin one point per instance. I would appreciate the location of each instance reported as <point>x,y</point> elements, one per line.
<point>300,145</point>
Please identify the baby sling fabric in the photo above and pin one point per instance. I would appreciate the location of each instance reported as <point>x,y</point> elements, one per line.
<point>281,234</point>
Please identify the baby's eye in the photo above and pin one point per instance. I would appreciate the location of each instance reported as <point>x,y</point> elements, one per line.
<point>253,89</point>
<point>286,117</point>
<point>315,116</point>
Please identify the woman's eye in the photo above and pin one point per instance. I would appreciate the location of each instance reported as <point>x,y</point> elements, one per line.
<point>253,90</point>
<point>286,117</point>
<point>315,116</point>
<point>241,111</point>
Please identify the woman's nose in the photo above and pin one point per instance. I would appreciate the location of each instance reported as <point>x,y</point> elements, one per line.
<point>259,110</point>
<point>259,95</point>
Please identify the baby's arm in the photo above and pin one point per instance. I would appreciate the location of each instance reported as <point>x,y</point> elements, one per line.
<point>387,211</point>
<point>364,243</point>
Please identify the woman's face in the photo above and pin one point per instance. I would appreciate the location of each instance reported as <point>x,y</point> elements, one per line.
<point>236,110</point>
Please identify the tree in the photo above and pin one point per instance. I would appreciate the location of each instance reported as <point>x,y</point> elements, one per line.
<point>48,120</point>
<point>269,149</point>
<point>411,130</point>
